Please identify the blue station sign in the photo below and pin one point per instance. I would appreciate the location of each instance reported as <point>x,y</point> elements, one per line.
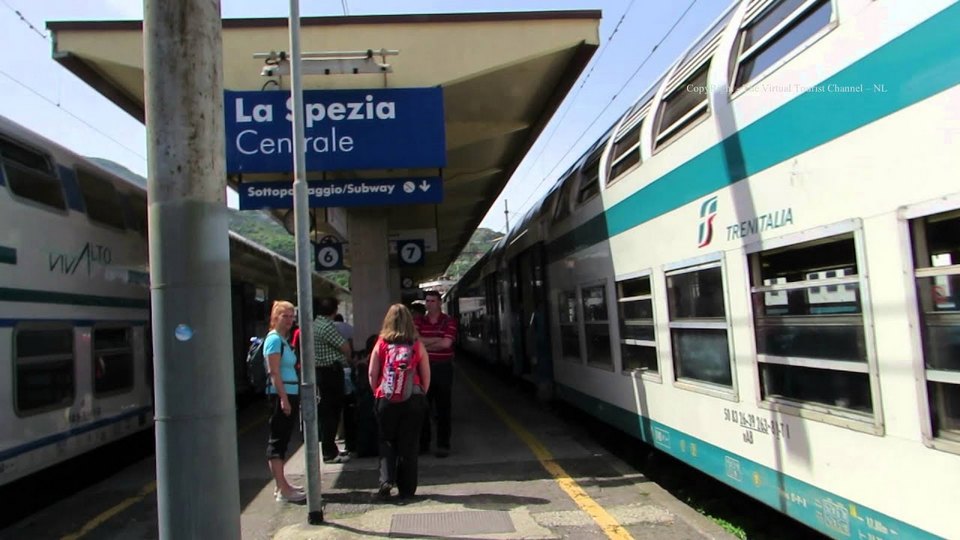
<point>373,192</point>
<point>344,129</point>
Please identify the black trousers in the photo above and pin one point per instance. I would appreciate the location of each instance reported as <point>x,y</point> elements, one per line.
<point>438,400</point>
<point>330,390</point>
<point>398,429</point>
<point>281,425</point>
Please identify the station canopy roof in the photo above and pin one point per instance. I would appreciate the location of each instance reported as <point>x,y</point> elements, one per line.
<point>503,76</point>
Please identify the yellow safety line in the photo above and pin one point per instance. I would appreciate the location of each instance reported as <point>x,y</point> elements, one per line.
<point>104,516</point>
<point>607,523</point>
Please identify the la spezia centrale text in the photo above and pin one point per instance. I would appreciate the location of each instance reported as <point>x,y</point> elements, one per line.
<point>248,141</point>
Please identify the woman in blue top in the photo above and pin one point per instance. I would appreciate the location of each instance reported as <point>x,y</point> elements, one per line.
<point>283,389</point>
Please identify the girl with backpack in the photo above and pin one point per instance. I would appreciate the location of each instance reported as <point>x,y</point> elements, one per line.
<point>284,390</point>
<point>399,373</point>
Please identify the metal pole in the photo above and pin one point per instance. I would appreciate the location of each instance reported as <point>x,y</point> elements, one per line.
<point>301,215</point>
<point>198,492</point>
<point>506,215</point>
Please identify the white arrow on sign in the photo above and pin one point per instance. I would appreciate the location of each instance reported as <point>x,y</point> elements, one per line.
<point>424,186</point>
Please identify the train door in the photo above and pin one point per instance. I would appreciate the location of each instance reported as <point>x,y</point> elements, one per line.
<point>528,300</point>
<point>491,323</point>
<point>518,270</point>
<point>250,317</point>
<point>538,327</point>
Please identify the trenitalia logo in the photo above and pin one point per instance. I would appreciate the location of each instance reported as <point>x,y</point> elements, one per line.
<point>708,212</point>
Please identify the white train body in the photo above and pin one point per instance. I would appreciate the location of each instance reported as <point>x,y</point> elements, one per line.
<point>74,305</point>
<point>772,292</point>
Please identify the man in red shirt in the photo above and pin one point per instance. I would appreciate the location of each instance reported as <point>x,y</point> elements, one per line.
<point>438,332</point>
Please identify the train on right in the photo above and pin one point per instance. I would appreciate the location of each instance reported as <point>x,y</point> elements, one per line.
<point>756,269</point>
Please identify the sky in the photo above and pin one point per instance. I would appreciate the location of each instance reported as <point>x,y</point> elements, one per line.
<point>636,46</point>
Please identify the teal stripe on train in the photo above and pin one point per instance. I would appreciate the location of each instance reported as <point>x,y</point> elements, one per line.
<point>52,297</point>
<point>826,512</point>
<point>8,255</point>
<point>915,66</point>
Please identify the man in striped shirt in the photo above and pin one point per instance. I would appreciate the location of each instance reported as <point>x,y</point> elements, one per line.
<point>438,332</point>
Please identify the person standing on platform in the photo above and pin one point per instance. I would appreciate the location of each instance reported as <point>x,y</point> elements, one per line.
<point>399,373</point>
<point>349,426</point>
<point>345,329</point>
<point>438,332</point>
<point>332,353</point>
<point>418,310</point>
<point>283,389</point>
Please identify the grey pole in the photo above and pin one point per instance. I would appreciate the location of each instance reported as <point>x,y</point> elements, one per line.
<point>197,480</point>
<point>506,216</point>
<point>301,214</point>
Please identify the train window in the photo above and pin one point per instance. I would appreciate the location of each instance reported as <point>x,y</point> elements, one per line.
<point>137,213</point>
<point>698,325</point>
<point>771,34</point>
<point>590,176</point>
<point>626,152</point>
<point>548,206</point>
<point>470,304</point>
<point>31,175</point>
<point>638,343</point>
<point>112,360</point>
<point>683,106</point>
<point>44,369</point>
<point>808,318</point>
<point>936,246</point>
<point>101,199</point>
<point>569,326</point>
<point>563,203</point>
<point>597,326</point>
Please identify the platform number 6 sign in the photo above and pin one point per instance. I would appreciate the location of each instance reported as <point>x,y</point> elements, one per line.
<point>328,256</point>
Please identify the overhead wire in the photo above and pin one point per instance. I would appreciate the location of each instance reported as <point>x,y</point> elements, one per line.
<point>25,21</point>
<point>84,122</point>
<point>613,98</point>
<point>57,104</point>
<point>576,93</point>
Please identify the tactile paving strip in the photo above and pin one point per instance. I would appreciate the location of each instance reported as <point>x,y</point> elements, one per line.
<point>452,523</point>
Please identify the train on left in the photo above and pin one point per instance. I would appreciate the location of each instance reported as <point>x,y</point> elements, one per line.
<point>75,331</point>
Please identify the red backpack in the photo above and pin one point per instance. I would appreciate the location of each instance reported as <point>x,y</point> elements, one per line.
<point>399,371</point>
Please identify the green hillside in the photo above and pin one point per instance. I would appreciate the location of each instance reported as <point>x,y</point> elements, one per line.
<point>480,242</point>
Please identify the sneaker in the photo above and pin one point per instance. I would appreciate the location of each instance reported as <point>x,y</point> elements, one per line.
<point>276,490</point>
<point>342,458</point>
<point>294,497</point>
<point>384,491</point>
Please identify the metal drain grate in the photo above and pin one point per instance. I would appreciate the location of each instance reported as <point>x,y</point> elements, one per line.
<point>452,523</point>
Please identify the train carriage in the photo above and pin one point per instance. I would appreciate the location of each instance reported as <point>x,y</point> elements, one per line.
<point>755,270</point>
<point>75,342</point>
<point>74,330</point>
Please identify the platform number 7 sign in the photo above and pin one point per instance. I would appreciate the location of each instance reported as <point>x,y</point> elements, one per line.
<point>410,252</point>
